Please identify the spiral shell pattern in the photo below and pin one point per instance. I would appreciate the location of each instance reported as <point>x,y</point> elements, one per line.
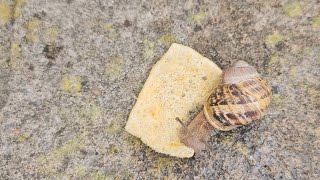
<point>242,97</point>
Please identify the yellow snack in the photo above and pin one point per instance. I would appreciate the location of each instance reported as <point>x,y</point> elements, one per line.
<point>178,82</point>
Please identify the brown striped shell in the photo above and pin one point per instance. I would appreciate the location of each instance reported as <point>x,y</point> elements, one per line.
<point>242,97</point>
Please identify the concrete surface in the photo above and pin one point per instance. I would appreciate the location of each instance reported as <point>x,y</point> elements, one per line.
<point>70,71</point>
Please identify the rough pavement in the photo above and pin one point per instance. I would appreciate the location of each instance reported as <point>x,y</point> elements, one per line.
<point>70,71</point>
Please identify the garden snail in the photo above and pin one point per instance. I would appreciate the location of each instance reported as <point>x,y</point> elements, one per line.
<point>242,97</point>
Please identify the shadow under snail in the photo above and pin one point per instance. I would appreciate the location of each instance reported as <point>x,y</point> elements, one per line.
<point>241,98</point>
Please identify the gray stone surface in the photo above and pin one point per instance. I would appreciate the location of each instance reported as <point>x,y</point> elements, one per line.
<point>70,71</point>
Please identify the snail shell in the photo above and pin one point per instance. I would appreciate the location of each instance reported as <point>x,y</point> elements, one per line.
<point>242,97</point>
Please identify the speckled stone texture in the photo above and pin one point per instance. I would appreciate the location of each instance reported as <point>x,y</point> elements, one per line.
<point>70,72</point>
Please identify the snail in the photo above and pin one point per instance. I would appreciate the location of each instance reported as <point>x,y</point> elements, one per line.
<point>241,98</point>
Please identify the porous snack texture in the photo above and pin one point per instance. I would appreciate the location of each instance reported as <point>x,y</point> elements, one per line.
<point>179,82</point>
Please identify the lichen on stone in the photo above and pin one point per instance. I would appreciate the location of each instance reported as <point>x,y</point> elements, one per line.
<point>109,30</point>
<point>71,84</point>
<point>15,62</point>
<point>198,17</point>
<point>17,8</point>
<point>5,13</point>
<point>292,9</point>
<point>114,67</point>
<point>278,100</point>
<point>242,148</point>
<point>148,49</point>
<point>294,72</point>
<point>228,139</point>
<point>107,27</point>
<point>132,141</point>
<point>274,59</point>
<point>10,13</point>
<point>47,163</point>
<point>65,113</point>
<point>314,131</point>
<point>100,175</point>
<point>113,150</point>
<point>52,33</point>
<point>273,39</point>
<point>114,126</point>
<point>313,94</point>
<point>316,22</point>
<point>163,162</point>
<point>32,24</point>
<point>23,137</point>
<point>167,39</point>
<point>90,111</point>
<point>31,27</point>
<point>79,171</point>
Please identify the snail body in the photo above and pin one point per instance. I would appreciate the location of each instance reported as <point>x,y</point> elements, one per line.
<point>241,98</point>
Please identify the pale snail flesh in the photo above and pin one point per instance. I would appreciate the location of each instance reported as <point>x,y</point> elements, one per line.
<point>241,98</point>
